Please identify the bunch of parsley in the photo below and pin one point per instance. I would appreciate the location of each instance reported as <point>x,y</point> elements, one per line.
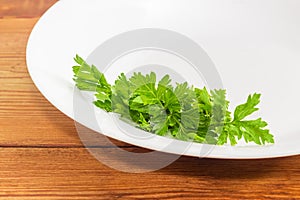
<point>182,112</point>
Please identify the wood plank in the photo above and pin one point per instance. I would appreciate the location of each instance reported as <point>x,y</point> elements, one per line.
<point>48,130</point>
<point>24,8</point>
<point>14,34</point>
<point>26,117</point>
<point>74,174</point>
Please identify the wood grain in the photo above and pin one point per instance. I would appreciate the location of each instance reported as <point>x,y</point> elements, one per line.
<point>42,157</point>
<point>72,173</point>
<point>23,8</point>
<point>26,117</point>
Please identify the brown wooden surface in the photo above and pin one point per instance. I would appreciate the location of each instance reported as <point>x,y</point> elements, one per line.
<point>41,156</point>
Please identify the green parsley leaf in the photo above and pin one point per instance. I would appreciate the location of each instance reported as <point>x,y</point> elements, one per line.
<point>183,112</point>
<point>248,108</point>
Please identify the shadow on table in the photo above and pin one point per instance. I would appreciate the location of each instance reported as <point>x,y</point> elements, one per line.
<point>188,166</point>
<point>223,169</point>
<point>107,151</point>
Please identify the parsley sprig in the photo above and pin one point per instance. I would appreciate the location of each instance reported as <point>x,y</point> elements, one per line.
<point>182,112</point>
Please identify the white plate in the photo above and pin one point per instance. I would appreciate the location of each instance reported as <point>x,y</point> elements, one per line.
<point>254,45</point>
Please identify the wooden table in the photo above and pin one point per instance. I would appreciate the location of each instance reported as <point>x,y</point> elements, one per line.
<point>41,156</point>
